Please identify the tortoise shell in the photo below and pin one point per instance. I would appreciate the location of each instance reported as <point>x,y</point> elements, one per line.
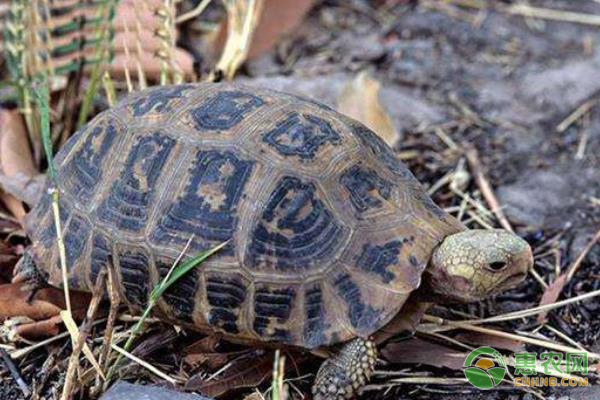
<point>328,231</point>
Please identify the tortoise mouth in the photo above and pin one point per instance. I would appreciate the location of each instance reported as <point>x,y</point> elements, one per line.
<point>512,280</point>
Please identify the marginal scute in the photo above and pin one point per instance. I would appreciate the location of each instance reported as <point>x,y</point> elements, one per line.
<point>134,265</point>
<point>127,204</point>
<point>225,295</point>
<point>381,151</point>
<point>180,296</point>
<point>361,315</point>
<point>301,135</point>
<point>207,207</point>
<point>367,190</point>
<point>378,259</point>
<point>48,235</point>
<point>101,258</point>
<point>75,239</point>
<point>272,309</point>
<point>295,232</point>
<point>315,324</point>
<point>224,110</point>
<point>158,99</point>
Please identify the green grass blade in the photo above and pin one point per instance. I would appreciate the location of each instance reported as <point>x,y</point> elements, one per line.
<point>183,269</point>
<point>41,98</point>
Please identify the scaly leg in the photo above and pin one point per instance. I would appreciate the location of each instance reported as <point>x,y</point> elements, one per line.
<point>26,271</point>
<point>343,374</point>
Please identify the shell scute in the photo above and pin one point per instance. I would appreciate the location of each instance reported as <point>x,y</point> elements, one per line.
<point>301,135</point>
<point>225,296</point>
<point>127,204</point>
<point>207,206</point>
<point>295,232</point>
<point>224,110</point>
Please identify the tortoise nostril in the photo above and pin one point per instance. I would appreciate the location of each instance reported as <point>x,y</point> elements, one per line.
<point>497,265</point>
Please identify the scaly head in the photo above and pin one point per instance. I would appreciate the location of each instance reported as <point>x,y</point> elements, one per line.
<point>473,264</point>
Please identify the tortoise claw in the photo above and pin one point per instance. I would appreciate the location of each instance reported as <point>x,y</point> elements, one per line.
<point>342,375</point>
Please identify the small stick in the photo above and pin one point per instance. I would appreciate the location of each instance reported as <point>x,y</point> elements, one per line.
<point>486,189</point>
<point>115,301</point>
<point>144,364</point>
<point>15,373</point>
<point>575,266</point>
<point>83,334</point>
<point>575,115</point>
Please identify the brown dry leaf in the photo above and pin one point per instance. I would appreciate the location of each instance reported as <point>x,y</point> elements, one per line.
<point>418,351</point>
<point>47,302</point>
<point>204,352</point>
<point>244,372</point>
<point>38,329</point>
<point>360,100</point>
<point>483,339</point>
<point>551,295</point>
<point>15,155</point>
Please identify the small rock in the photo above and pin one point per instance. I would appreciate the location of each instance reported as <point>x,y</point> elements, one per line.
<point>128,391</point>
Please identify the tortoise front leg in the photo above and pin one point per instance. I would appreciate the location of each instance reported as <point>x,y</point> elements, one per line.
<point>343,374</point>
<point>26,271</point>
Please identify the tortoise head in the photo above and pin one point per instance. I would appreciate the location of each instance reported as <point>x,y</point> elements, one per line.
<point>473,264</point>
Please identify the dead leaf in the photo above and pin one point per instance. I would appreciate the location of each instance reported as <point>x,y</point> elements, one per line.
<point>244,372</point>
<point>418,351</point>
<point>47,302</point>
<point>359,99</point>
<point>36,329</point>
<point>551,295</point>
<point>204,352</point>
<point>15,155</point>
<point>483,339</point>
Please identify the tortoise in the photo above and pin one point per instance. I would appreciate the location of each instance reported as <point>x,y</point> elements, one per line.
<point>328,233</point>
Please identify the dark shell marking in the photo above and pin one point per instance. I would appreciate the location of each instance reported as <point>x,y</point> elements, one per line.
<point>316,207</point>
<point>126,207</point>
<point>81,174</point>
<point>361,315</point>
<point>301,135</point>
<point>75,239</point>
<point>315,324</point>
<point>225,295</point>
<point>101,257</point>
<point>295,232</point>
<point>207,208</point>
<point>378,259</point>
<point>367,189</point>
<point>158,100</point>
<point>48,235</point>
<point>134,275</point>
<point>273,307</point>
<point>225,110</point>
<point>180,295</point>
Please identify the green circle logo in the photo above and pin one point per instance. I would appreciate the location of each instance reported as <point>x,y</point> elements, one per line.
<point>489,369</point>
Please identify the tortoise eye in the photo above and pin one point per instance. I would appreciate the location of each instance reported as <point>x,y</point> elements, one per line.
<point>497,265</point>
